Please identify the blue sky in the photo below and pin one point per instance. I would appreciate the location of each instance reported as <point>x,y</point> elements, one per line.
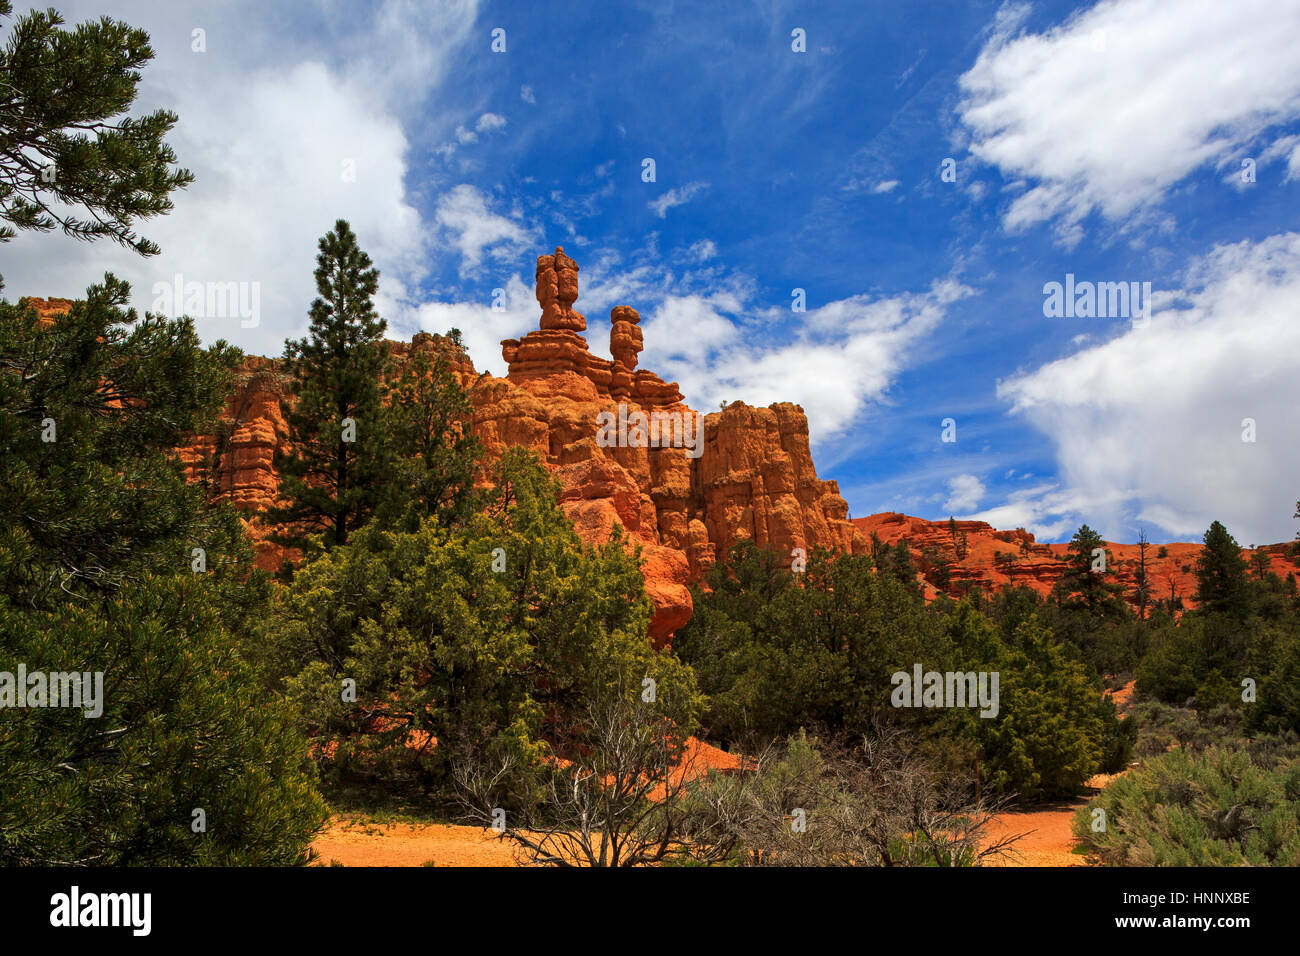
<point>1100,140</point>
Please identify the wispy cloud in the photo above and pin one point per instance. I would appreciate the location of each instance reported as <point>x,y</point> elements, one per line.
<point>1108,111</point>
<point>1188,420</point>
<point>676,197</point>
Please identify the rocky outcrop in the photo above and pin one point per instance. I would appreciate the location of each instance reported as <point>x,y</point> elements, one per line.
<point>973,550</point>
<point>48,309</point>
<point>684,491</point>
<point>628,452</point>
<point>624,447</point>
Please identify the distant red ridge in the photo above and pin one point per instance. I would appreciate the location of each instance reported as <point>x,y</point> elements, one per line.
<point>1040,566</point>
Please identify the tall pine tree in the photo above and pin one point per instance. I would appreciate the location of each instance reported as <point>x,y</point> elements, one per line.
<point>334,473</point>
<point>72,159</point>
<point>1096,593</point>
<point>1221,574</point>
<point>433,456</point>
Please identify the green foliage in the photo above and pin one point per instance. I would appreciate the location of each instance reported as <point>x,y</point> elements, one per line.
<point>443,646</point>
<point>432,455</point>
<point>776,652</point>
<point>1082,587</point>
<point>97,531</point>
<point>72,159</point>
<point>183,728</point>
<point>101,500</point>
<point>332,478</point>
<point>1244,630</point>
<point>1171,670</point>
<point>1217,807</point>
<point>1221,575</point>
<point>1054,729</point>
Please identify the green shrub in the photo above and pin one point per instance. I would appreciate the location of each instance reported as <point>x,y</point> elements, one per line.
<point>1216,807</point>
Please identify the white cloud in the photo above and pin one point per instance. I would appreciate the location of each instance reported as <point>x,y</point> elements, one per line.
<point>964,494</point>
<point>527,95</point>
<point>704,250</point>
<point>482,327</point>
<point>272,149</point>
<point>1109,110</point>
<point>1046,511</point>
<point>844,356</point>
<point>888,185</point>
<point>676,197</point>
<point>474,230</point>
<point>1287,147</point>
<point>1148,426</point>
<point>487,123</point>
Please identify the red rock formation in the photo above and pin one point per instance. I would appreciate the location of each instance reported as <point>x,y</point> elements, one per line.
<point>1040,566</point>
<point>750,474</point>
<point>754,477</point>
<point>48,309</point>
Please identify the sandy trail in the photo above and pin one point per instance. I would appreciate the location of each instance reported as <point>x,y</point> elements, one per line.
<point>414,844</point>
<point>1047,841</point>
<point>409,844</point>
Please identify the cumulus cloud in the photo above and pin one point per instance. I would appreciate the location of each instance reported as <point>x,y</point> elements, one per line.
<point>475,230</point>
<point>676,197</point>
<point>1112,108</point>
<point>843,357</point>
<point>279,153</point>
<point>1155,426</point>
<point>964,494</point>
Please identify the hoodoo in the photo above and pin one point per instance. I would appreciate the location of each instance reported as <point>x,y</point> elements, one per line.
<point>753,476</point>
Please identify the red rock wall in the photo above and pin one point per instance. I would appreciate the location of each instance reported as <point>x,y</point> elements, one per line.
<point>1042,565</point>
<point>753,479</point>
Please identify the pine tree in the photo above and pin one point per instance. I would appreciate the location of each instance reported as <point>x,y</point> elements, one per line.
<point>1221,574</point>
<point>1141,577</point>
<point>1079,578</point>
<point>434,456</point>
<point>336,468</point>
<point>72,158</point>
<point>112,563</point>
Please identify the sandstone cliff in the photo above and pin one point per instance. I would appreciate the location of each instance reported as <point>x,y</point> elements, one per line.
<point>750,474</point>
<point>1040,566</point>
<point>684,489</point>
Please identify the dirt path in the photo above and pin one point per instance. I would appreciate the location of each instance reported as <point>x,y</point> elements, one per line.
<point>409,844</point>
<point>1048,840</point>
